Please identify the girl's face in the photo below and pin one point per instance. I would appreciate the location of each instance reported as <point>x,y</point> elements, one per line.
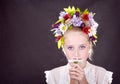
<point>76,45</point>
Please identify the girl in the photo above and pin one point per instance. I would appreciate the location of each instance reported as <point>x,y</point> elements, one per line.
<point>75,32</point>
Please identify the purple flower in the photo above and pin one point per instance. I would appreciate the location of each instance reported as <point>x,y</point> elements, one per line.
<point>76,21</point>
<point>77,14</point>
<point>82,25</point>
<point>56,25</point>
<point>92,38</point>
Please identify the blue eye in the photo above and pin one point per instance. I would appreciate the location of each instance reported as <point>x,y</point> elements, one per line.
<point>82,47</point>
<point>70,48</point>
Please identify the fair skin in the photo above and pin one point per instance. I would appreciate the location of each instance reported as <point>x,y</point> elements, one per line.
<point>77,46</point>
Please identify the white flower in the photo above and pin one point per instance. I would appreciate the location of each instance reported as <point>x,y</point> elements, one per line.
<point>91,20</point>
<point>92,32</point>
<point>57,32</point>
<point>93,29</point>
<point>62,14</point>
<point>93,24</point>
<point>63,28</point>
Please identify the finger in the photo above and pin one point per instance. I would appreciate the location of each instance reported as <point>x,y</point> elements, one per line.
<point>76,72</point>
<point>75,77</point>
<point>77,67</point>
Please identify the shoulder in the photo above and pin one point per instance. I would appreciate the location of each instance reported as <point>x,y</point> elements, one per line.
<point>56,71</point>
<point>103,75</point>
<point>55,74</point>
<point>100,69</point>
<point>97,68</point>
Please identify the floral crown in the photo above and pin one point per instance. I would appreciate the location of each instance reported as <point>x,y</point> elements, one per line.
<point>73,17</point>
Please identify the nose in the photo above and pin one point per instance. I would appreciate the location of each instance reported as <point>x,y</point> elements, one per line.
<point>76,55</point>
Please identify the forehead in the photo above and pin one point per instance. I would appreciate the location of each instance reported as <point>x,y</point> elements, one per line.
<point>76,37</point>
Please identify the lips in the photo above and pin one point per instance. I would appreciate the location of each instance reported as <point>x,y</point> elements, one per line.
<point>76,58</point>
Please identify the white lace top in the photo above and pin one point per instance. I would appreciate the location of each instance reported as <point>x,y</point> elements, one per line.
<point>94,75</point>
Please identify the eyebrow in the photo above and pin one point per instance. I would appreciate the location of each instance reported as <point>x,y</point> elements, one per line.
<point>79,45</point>
<point>83,44</point>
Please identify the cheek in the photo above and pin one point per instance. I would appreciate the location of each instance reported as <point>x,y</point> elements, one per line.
<point>84,54</point>
<point>68,54</point>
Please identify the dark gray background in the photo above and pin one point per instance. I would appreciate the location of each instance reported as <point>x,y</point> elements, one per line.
<point>27,46</point>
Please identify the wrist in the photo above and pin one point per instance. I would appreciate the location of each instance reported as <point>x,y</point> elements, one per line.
<point>83,81</point>
<point>73,81</point>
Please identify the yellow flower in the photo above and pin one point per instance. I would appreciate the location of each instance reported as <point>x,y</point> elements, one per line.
<point>60,42</point>
<point>70,10</point>
<point>95,36</point>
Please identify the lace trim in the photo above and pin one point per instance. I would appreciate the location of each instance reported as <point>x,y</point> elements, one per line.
<point>46,75</point>
<point>108,77</point>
